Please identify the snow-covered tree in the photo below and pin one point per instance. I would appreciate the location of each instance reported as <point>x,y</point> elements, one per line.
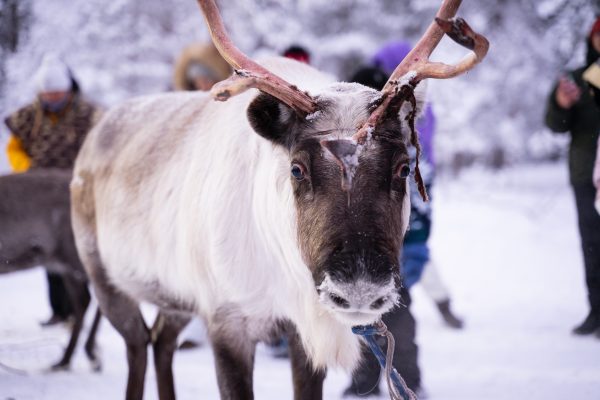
<point>124,48</point>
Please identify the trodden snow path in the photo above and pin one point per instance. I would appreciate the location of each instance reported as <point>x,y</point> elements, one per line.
<point>507,247</point>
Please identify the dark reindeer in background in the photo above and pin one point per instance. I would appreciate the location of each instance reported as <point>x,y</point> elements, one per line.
<point>35,230</point>
<point>278,208</point>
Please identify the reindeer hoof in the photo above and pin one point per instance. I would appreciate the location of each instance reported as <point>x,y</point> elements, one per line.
<point>96,365</point>
<point>92,356</point>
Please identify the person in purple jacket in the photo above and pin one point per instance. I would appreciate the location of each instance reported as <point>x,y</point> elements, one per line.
<point>417,265</point>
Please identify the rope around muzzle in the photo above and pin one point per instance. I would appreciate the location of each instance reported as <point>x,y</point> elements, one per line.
<point>397,387</point>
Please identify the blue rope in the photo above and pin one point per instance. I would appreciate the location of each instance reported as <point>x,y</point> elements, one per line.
<point>368,332</point>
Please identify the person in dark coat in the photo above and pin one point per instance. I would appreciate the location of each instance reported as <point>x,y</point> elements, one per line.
<point>48,134</point>
<point>573,106</point>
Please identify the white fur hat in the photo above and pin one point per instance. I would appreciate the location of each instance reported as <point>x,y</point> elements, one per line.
<point>53,75</point>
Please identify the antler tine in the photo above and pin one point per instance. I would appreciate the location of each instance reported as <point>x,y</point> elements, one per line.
<point>249,74</point>
<point>457,29</point>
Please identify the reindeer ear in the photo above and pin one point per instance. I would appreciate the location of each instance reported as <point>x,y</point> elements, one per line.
<point>271,119</point>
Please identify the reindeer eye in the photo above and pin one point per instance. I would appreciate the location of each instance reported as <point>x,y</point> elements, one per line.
<point>404,171</point>
<point>298,172</point>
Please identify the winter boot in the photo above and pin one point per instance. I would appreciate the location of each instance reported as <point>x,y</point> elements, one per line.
<point>588,326</point>
<point>55,319</point>
<point>449,318</point>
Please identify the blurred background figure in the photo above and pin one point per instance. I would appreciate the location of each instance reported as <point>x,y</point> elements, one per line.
<point>48,133</point>
<point>199,67</point>
<point>416,259</point>
<point>571,108</point>
<point>297,53</point>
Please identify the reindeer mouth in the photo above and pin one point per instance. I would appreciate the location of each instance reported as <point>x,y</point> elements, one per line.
<point>357,303</point>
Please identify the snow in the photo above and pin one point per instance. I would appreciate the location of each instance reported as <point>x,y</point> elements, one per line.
<point>313,116</point>
<point>405,79</point>
<point>507,246</point>
<point>370,130</point>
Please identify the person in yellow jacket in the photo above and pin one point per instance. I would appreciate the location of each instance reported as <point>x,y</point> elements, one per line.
<point>17,158</point>
<point>48,133</point>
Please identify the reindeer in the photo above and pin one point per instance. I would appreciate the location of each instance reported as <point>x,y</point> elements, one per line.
<point>279,207</point>
<point>35,229</point>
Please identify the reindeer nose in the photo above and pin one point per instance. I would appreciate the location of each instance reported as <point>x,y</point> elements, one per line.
<point>358,302</point>
<point>359,296</point>
<point>339,300</point>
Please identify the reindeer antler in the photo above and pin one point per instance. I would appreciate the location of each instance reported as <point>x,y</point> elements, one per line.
<point>418,59</point>
<point>416,66</point>
<point>247,73</point>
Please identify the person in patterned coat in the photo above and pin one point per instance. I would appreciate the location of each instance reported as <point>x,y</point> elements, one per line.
<point>48,133</point>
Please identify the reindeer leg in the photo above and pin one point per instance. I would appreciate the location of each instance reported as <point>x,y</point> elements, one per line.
<point>234,356</point>
<point>124,314</point>
<point>121,310</point>
<point>79,296</point>
<point>167,327</point>
<point>234,370</point>
<point>308,382</point>
<point>90,343</point>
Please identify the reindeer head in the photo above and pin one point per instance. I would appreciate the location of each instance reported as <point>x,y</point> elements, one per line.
<point>351,202</point>
<point>349,163</point>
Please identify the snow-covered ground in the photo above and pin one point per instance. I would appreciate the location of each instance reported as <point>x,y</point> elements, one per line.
<point>506,244</point>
